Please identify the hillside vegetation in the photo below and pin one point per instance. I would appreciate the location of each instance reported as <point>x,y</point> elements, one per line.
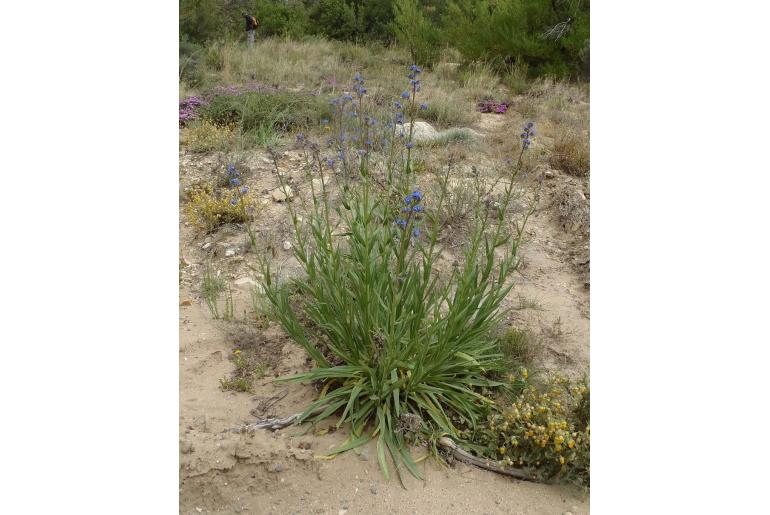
<point>530,38</point>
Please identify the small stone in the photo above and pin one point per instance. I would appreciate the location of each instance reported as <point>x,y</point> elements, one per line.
<point>567,513</point>
<point>206,245</point>
<point>373,489</point>
<point>287,245</point>
<point>364,456</point>
<point>186,447</point>
<point>277,467</point>
<point>280,196</point>
<point>549,174</point>
<point>186,302</point>
<point>318,184</point>
<point>229,252</point>
<point>247,283</point>
<point>199,510</point>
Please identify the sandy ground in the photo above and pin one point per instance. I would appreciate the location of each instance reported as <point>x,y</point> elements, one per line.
<point>282,472</point>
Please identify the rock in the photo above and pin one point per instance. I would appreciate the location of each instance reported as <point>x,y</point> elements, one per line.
<point>567,513</point>
<point>247,283</point>
<point>342,512</point>
<point>229,252</point>
<point>186,447</point>
<point>206,245</point>
<point>287,245</point>
<point>279,195</point>
<point>186,302</point>
<point>242,452</point>
<point>549,174</point>
<point>373,489</point>
<point>422,132</point>
<point>276,467</point>
<point>364,456</point>
<point>318,184</point>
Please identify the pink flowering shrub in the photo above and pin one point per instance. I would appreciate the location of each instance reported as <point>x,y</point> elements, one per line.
<point>490,106</point>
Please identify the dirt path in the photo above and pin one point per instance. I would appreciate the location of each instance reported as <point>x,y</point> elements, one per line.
<point>265,472</point>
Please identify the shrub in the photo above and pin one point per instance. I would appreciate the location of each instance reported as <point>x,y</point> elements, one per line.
<point>492,106</point>
<point>335,19</point>
<point>479,80</point>
<point>515,77</point>
<point>188,109</point>
<point>393,344</point>
<point>449,136</point>
<point>190,57</point>
<point>204,136</point>
<point>415,32</point>
<point>448,111</point>
<point>546,431</point>
<point>550,37</point>
<point>208,208</point>
<point>518,346</point>
<point>253,110</point>
<point>570,153</point>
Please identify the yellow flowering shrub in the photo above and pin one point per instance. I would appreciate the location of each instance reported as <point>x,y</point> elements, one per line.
<point>206,210</point>
<point>546,431</point>
<point>204,136</point>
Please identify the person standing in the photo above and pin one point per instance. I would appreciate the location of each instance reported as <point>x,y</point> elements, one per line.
<point>251,27</point>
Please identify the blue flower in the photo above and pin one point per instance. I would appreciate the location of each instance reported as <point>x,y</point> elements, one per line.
<point>231,168</point>
<point>235,182</point>
<point>330,161</point>
<point>416,232</point>
<point>417,195</point>
<point>244,190</point>
<point>417,208</point>
<point>357,77</point>
<point>406,209</point>
<point>401,222</point>
<point>369,142</point>
<point>405,94</point>
<point>409,144</point>
<point>398,105</point>
<point>415,68</point>
<point>423,106</point>
<point>234,202</point>
<point>528,132</point>
<point>399,117</point>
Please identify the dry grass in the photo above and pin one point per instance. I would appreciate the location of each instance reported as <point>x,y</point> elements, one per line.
<point>571,153</point>
<point>480,81</point>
